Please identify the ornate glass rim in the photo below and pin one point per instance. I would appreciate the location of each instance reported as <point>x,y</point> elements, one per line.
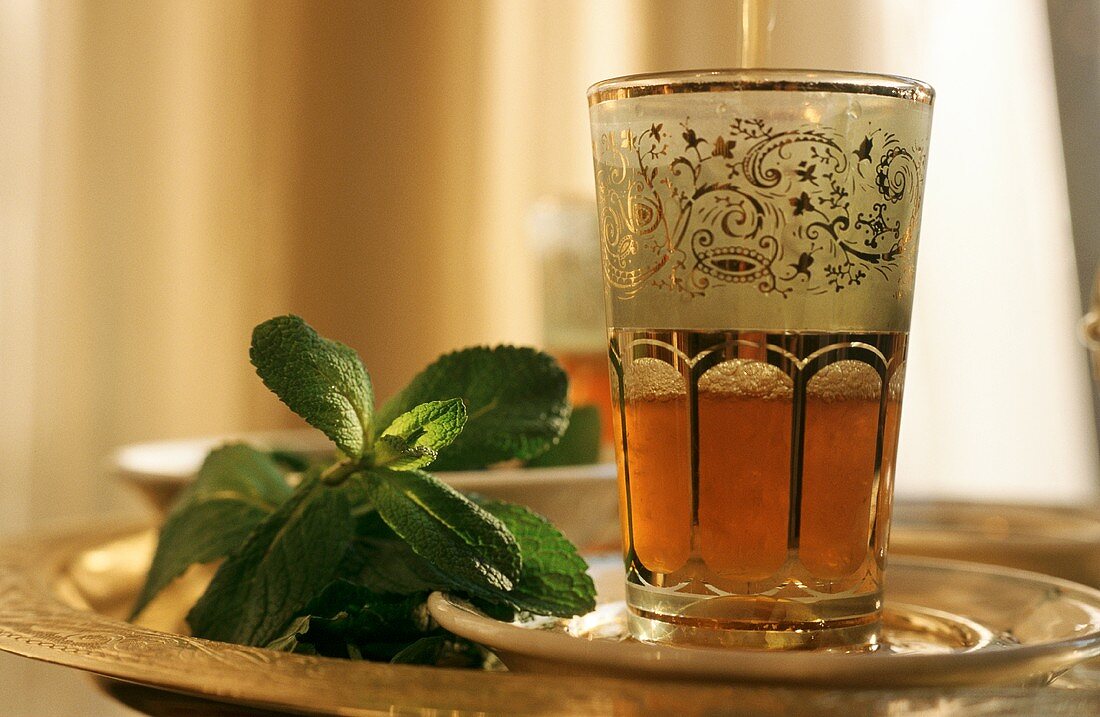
<point>756,79</point>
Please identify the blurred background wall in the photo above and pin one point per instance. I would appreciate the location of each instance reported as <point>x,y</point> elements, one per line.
<point>175,172</point>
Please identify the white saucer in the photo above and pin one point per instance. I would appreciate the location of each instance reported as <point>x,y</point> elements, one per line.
<point>1008,627</point>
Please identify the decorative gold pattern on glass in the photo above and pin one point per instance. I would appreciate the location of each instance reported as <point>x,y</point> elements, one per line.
<point>760,209</point>
<point>684,212</point>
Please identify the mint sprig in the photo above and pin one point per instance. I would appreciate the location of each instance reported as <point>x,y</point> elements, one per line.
<point>342,564</point>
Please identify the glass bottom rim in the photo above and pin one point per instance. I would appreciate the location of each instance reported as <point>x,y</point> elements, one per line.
<point>745,625</point>
<point>856,634</point>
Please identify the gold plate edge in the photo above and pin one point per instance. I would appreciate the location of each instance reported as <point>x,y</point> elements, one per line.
<point>29,615</point>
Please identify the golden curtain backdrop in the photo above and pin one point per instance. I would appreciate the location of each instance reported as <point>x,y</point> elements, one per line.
<point>176,172</point>
<point>184,170</point>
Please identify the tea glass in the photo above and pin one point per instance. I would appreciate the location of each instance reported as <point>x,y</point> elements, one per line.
<point>758,231</point>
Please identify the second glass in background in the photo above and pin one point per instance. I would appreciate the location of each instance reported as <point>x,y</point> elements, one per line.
<point>563,236</point>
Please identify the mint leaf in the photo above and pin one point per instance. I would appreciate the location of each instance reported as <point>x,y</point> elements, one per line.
<point>290,460</point>
<point>340,636</point>
<point>290,639</point>
<point>444,528</point>
<point>425,651</point>
<point>444,650</point>
<point>403,614</point>
<point>348,620</point>
<point>235,489</point>
<point>286,561</point>
<point>323,381</point>
<point>579,445</point>
<point>554,579</point>
<point>414,438</point>
<point>241,470</point>
<point>515,401</point>
<point>395,452</point>
<point>201,532</point>
<point>391,567</point>
<point>381,561</point>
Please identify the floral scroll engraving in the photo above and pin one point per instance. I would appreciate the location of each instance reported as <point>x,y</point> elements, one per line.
<point>783,210</point>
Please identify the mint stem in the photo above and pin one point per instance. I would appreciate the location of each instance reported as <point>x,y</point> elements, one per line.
<point>336,474</point>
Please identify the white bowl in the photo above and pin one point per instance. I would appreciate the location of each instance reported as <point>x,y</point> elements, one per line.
<point>582,501</point>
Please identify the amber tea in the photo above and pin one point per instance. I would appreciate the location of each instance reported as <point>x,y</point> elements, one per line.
<point>748,470</point>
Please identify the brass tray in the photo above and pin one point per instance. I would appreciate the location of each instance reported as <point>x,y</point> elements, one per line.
<point>62,595</point>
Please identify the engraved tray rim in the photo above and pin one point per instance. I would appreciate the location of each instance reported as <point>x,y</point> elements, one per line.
<point>36,623</point>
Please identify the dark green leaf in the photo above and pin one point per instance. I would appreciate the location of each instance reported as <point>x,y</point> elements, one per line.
<point>291,460</point>
<point>579,445</point>
<point>323,381</point>
<point>424,651</point>
<point>236,488</point>
<point>446,529</point>
<point>239,469</point>
<point>383,562</point>
<point>376,615</point>
<point>203,531</point>
<point>416,436</point>
<point>515,401</point>
<point>290,639</point>
<point>348,620</point>
<point>554,579</point>
<point>285,562</point>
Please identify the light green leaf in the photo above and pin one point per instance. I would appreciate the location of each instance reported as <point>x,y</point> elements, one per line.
<point>394,452</point>
<point>414,438</point>
<point>323,381</point>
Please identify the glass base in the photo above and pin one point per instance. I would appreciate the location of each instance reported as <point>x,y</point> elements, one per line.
<point>853,623</point>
